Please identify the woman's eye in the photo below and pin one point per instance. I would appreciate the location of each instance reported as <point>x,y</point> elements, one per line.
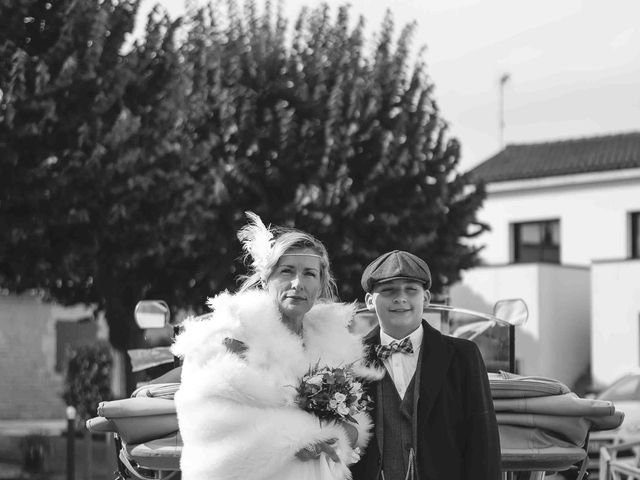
<point>312,274</point>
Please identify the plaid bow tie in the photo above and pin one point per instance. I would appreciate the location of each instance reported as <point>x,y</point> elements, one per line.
<point>385,351</point>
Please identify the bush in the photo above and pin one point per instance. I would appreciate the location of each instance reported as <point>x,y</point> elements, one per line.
<point>88,379</point>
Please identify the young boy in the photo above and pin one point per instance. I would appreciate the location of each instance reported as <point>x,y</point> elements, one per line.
<point>433,414</point>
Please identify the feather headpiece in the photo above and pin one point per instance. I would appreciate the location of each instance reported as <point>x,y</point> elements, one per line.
<point>257,242</point>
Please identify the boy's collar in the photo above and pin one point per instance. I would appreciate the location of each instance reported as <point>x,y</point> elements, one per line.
<point>415,336</point>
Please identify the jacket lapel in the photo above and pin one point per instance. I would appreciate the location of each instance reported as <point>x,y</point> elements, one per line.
<point>373,337</point>
<point>370,340</point>
<point>433,369</point>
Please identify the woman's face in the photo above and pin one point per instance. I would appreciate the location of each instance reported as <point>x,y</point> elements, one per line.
<point>295,282</point>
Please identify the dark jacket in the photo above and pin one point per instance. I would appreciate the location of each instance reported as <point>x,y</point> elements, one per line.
<point>456,430</point>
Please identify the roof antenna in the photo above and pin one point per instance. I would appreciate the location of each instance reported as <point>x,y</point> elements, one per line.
<point>503,79</point>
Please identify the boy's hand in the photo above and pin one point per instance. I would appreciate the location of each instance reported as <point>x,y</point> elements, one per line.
<point>313,452</point>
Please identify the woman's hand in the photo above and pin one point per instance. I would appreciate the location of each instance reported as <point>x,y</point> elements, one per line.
<point>352,433</point>
<point>313,452</point>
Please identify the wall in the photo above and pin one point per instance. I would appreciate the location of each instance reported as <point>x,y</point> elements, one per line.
<point>593,210</point>
<point>586,205</point>
<point>564,310</point>
<point>481,287</point>
<point>31,387</point>
<point>615,305</point>
<point>555,340</point>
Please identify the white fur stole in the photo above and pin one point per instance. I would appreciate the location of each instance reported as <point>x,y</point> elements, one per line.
<point>237,412</point>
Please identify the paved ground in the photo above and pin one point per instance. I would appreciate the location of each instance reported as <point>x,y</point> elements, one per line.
<point>102,458</point>
<point>9,471</point>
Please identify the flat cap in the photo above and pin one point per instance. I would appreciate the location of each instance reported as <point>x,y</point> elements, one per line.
<point>395,264</point>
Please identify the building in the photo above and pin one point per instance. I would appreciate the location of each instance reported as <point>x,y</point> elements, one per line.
<point>35,339</point>
<point>565,237</point>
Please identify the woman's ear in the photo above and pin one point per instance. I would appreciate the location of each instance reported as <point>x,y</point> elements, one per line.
<point>368,301</point>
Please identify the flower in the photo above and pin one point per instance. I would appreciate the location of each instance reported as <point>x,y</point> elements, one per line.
<point>315,380</point>
<point>332,394</point>
<point>340,397</point>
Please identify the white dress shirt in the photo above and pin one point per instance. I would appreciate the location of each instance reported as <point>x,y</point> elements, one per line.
<point>402,366</point>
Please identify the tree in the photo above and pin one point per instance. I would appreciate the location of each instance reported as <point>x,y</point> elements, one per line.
<point>125,174</point>
<point>87,153</point>
<point>324,136</point>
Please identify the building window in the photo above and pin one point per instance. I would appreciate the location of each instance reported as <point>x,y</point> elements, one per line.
<point>537,242</point>
<point>635,235</point>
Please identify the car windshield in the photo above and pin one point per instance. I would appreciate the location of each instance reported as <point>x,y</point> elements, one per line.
<point>625,389</point>
<point>493,339</point>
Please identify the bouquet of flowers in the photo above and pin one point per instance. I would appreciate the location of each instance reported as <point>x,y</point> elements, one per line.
<point>332,394</point>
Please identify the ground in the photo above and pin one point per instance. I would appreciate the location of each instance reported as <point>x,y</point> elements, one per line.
<point>14,462</point>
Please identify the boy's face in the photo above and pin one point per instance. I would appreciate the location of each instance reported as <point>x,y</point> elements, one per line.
<point>398,304</point>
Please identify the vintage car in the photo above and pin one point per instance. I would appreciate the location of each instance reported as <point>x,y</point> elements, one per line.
<point>544,427</point>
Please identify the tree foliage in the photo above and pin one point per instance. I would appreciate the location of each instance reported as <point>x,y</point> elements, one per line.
<point>89,154</point>
<point>125,174</point>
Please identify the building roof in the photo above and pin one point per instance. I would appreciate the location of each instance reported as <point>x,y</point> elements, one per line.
<point>564,157</point>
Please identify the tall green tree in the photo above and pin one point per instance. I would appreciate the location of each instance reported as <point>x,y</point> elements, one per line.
<point>125,172</point>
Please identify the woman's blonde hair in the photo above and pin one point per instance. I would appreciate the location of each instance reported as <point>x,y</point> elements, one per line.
<point>280,241</point>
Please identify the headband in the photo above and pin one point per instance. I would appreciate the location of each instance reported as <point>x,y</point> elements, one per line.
<point>258,242</point>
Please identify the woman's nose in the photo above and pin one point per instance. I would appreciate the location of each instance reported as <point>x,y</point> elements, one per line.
<point>295,283</point>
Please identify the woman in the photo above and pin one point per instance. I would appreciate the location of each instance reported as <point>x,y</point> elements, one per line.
<point>242,363</point>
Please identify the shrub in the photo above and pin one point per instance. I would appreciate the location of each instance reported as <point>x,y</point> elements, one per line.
<point>88,379</point>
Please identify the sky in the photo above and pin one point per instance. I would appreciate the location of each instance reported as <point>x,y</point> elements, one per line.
<point>573,65</point>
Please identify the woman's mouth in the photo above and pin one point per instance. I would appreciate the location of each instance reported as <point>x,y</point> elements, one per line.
<point>295,297</point>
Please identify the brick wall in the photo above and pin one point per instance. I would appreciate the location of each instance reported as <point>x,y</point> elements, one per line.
<point>30,387</point>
